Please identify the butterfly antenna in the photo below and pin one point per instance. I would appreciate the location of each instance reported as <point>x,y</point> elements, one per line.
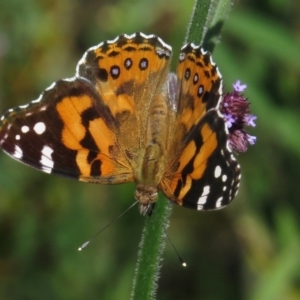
<point>110,223</point>
<point>182,262</point>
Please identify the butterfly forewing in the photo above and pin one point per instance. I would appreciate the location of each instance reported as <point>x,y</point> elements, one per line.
<point>56,134</point>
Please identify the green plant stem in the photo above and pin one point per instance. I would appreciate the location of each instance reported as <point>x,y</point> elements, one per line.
<point>151,250</point>
<point>205,27</point>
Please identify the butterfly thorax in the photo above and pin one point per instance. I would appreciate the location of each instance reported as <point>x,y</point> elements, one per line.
<point>148,177</point>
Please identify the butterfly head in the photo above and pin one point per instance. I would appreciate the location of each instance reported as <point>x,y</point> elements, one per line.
<point>147,196</point>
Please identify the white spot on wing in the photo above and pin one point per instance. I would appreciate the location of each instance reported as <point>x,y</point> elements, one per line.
<point>182,56</point>
<point>72,79</point>
<point>46,159</point>
<point>128,63</point>
<point>37,100</point>
<point>200,90</point>
<point>17,137</point>
<point>114,40</point>
<point>39,127</point>
<point>206,190</point>
<point>18,152</point>
<point>24,106</point>
<point>51,86</point>
<point>219,202</point>
<point>199,207</point>
<point>218,171</point>
<point>24,129</point>
<point>115,71</point>
<point>202,199</point>
<point>224,178</point>
<point>164,44</point>
<point>160,51</point>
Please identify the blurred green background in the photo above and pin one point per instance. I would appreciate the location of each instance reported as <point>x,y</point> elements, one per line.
<point>250,250</point>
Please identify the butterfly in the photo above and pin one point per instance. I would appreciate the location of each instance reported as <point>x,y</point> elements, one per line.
<point>124,117</point>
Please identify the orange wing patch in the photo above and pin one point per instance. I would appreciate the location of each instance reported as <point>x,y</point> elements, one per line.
<point>201,85</point>
<point>210,144</point>
<point>69,109</point>
<point>192,163</point>
<point>103,160</point>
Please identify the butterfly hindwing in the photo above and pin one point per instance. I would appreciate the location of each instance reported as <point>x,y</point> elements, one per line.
<point>207,175</point>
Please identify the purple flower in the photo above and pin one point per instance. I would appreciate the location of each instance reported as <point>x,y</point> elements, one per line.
<point>251,139</point>
<point>250,120</point>
<point>229,119</point>
<point>238,88</point>
<point>236,112</point>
